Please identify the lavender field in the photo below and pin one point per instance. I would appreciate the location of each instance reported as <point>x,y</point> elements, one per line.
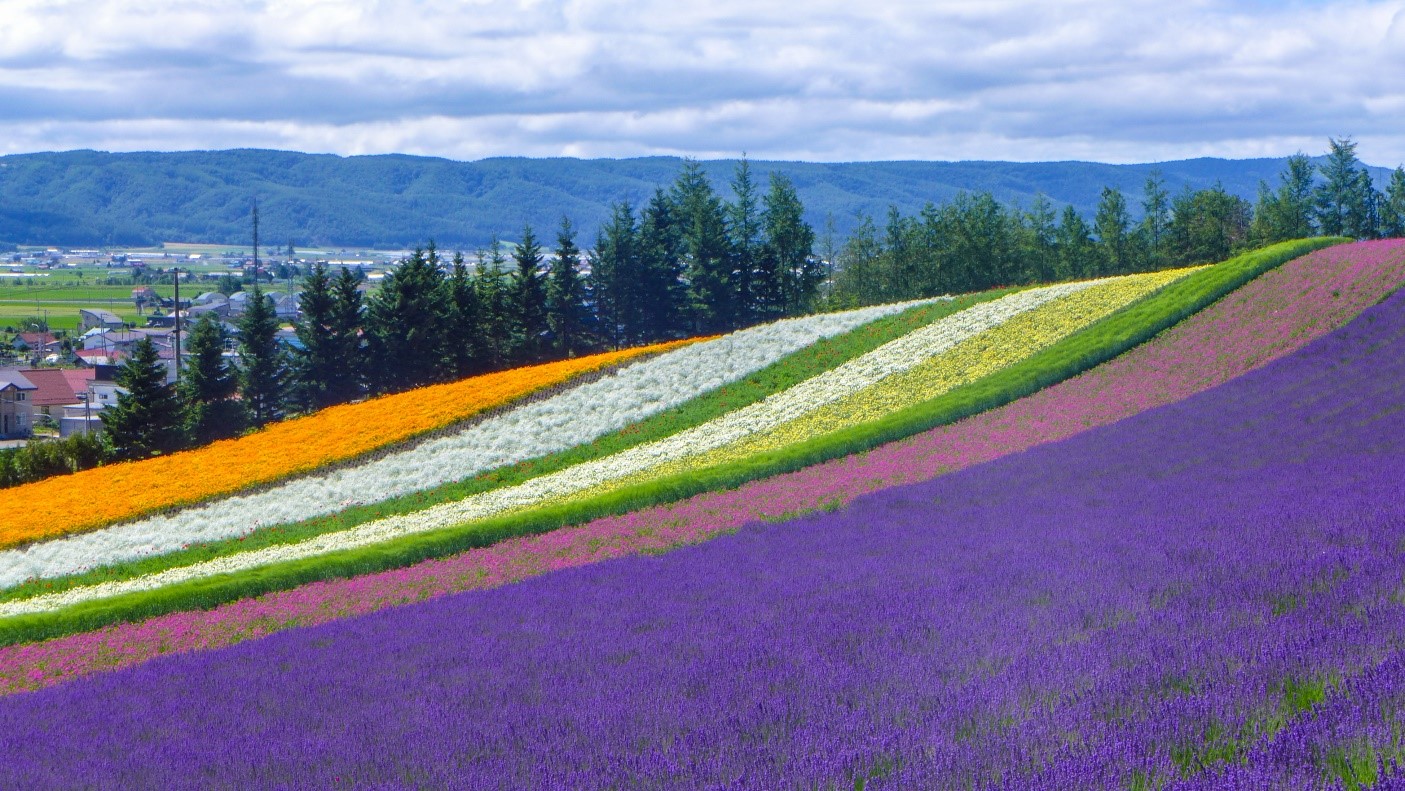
<point>1207,595</point>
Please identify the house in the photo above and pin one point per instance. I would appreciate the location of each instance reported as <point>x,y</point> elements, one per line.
<point>16,406</point>
<point>86,415</point>
<point>89,318</point>
<point>40,343</point>
<point>58,387</point>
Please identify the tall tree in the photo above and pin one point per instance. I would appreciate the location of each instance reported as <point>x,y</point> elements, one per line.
<point>146,420</point>
<point>566,310</point>
<point>1393,207</point>
<point>857,275</point>
<point>529,328</point>
<point>744,242</point>
<point>614,270</point>
<point>407,322</point>
<point>345,382</point>
<point>262,374</point>
<point>1156,222</point>
<point>465,321</point>
<point>1076,248</point>
<point>1286,213</point>
<point>208,386</point>
<point>1345,201</point>
<point>318,361</point>
<point>790,274</point>
<point>712,288</point>
<point>1208,225</point>
<point>1112,224</point>
<point>494,307</point>
<point>1039,249</point>
<point>660,293</point>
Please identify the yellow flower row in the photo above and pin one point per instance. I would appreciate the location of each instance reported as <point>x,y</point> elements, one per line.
<point>1015,339</point>
<point>101,496</point>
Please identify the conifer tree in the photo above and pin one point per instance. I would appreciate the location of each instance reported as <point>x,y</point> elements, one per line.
<point>789,274</point>
<point>494,305</point>
<point>346,381</point>
<point>660,294</point>
<point>1288,212</point>
<point>1039,250</point>
<point>1393,207</point>
<point>528,301</point>
<point>318,362</point>
<point>1076,248</point>
<point>262,374</point>
<point>208,387</point>
<point>567,313</point>
<point>1112,224</point>
<point>712,289</point>
<point>1345,202</point>
<point>465,346</point>
<point>613,278</point>
<point>407,324</point>
<point>146,420</point>
<point>744,244</point>
<point>1156,221</point>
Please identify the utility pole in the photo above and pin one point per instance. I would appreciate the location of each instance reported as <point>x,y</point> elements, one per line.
<point>256,241</point>
<point>177,271</point>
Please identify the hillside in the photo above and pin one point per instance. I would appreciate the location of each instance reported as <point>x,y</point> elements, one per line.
<point>397,201</point>
<point>1190,579</point>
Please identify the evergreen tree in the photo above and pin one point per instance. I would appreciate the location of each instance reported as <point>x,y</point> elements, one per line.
<point>790,275</point>
<point>661,296</point>
<point>1156,222</point>
<point>346,381</point>
<point>1393,207</point>
<point>529,328</point>
<point>494,307</point>
<point>407,324</point>
<point>1345,202</point>
<point>744,243</point>
<point>146,420</point>
<point>711,286</point>
<point>466,347</point>
<point>262,374</point>
<point>1288,212</point>
<point>1076,249</point>
<point>208,387</point>
<point>1039,250</point>
<point>319,360</point>
<point>567,313</point>
<point>614,273</point>
<point>1208,226</point>
<point>1112,224</point>
<point>857,278</point>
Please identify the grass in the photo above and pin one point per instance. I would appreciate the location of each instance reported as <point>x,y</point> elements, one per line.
<point>1096,344</point>
<point>779,376</point>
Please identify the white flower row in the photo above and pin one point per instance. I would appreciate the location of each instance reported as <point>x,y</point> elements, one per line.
<point>574,417</point>
<point>894,357</point>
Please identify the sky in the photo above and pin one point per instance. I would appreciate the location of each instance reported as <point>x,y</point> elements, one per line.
<point>822,80</point>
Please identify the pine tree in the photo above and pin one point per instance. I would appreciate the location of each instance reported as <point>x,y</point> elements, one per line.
<point>494,306</point>
<point>566,311</point>
<point>712,289</point>
<point>407,324</point>
<point>1288,212</point>
<point>660,295</point>
<point>744,244</point>
<point>1112,224</point>
<point>1345,202</point>
<point>529,328</point>
<point>1076,249</point>
<point>464,331</point>
<point>320,358</point>
<point>262,375</point>
<point>1156,221</point>
<point>146,420</point>
<point>614,266</point>
<point>1039,251</point>
<point>1393,207</point>
<point>1208,226</point>
<point>790,274</point>
<point>208,387</point>
<point>346,381</point>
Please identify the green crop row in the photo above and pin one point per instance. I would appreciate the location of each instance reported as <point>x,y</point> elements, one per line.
<point>1096,344</point>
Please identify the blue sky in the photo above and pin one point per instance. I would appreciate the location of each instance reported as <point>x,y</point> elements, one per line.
<point>1024,80</point>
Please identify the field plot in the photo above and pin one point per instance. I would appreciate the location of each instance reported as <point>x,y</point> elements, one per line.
<point>1202,595</point>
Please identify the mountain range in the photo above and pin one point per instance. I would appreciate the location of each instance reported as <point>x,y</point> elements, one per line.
<point>397,201</point>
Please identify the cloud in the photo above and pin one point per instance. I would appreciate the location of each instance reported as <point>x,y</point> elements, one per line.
<point>1134,80</point>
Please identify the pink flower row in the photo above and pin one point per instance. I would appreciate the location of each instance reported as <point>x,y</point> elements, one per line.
<point>1272,316</point>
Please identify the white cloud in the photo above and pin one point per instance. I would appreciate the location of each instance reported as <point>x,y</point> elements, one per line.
<point>1017,79</point>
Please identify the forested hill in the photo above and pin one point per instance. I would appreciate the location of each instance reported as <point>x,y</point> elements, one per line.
<point>91,198</point>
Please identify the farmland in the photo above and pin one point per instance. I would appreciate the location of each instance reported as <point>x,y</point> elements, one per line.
<point>1137,532</point>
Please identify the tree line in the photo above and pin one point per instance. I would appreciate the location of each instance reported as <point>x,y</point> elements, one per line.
<point>685,263</point>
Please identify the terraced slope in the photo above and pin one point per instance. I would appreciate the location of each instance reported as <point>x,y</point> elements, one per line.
<point>1200,595</point>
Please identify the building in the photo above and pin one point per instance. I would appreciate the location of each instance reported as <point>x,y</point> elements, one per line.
<point>86,415</point>
<point>57,388</point>
<point>16,405</point>
<point>89,318</point>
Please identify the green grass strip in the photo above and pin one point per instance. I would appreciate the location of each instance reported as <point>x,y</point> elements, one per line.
<point>784,373</point>
<point>1092,346</point>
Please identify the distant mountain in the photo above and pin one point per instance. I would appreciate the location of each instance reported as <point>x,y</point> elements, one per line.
<point>397,201</point>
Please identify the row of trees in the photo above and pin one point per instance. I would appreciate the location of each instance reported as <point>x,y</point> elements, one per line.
<point>974,242</point>
<point>690,262</point>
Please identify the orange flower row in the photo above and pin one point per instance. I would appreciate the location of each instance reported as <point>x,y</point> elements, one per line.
<point>104,495</point>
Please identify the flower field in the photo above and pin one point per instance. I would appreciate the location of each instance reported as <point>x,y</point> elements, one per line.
<point>66,504</point>
<point>1271,316</point>
<point>953,343</point>
<point>1203,595</point>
